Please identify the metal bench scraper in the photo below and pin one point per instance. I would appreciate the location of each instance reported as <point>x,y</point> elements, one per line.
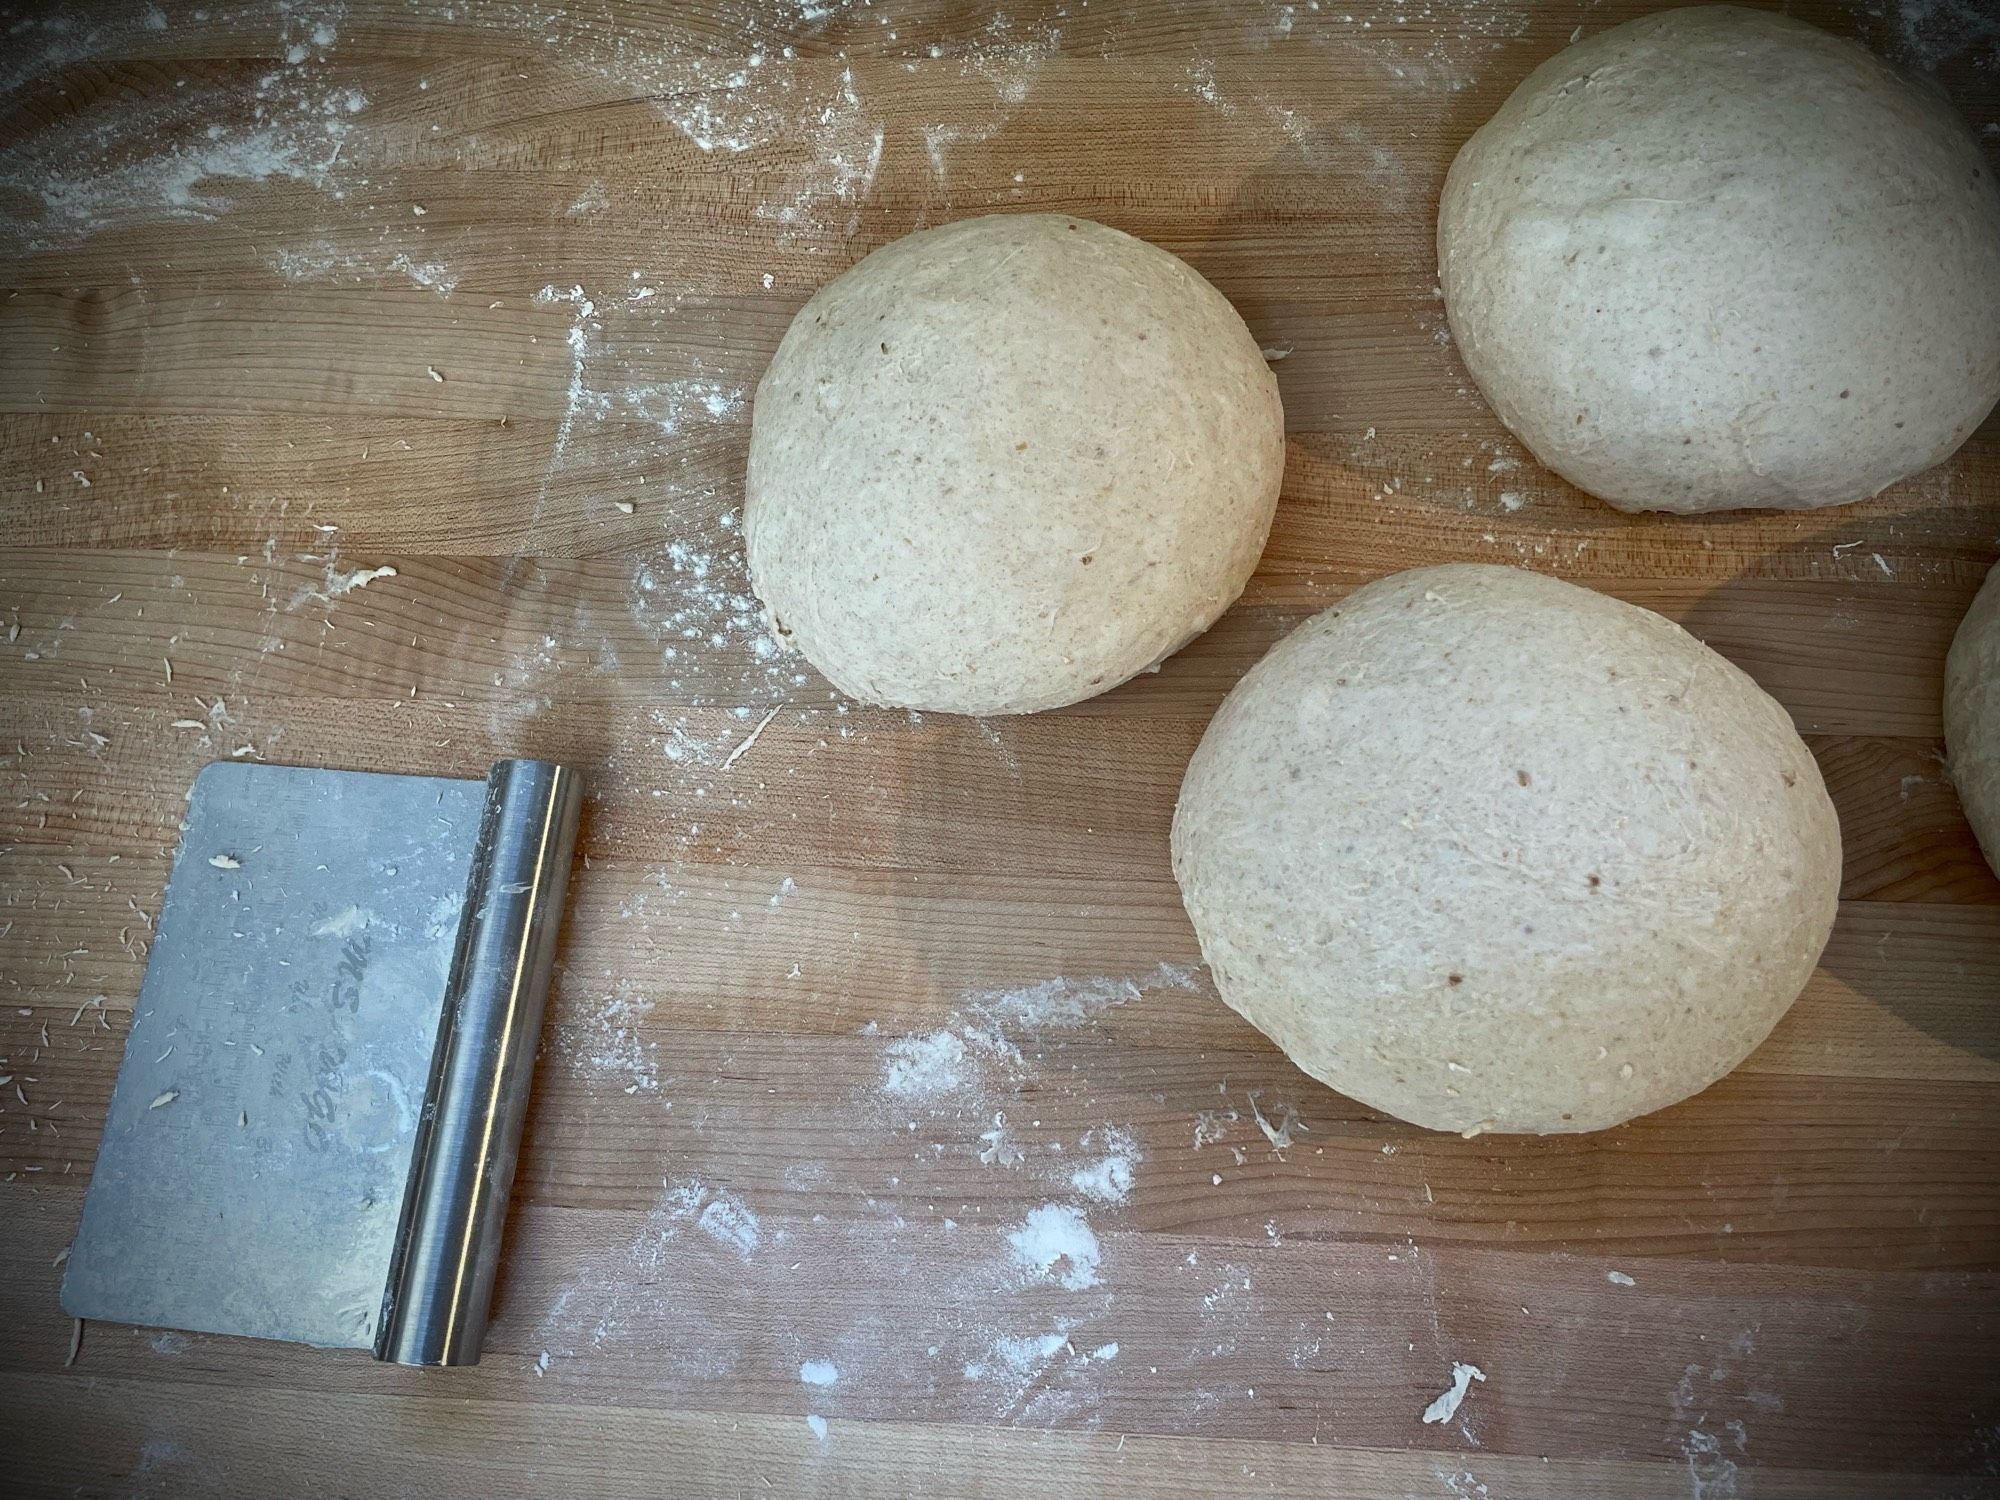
<point>314,1129</point>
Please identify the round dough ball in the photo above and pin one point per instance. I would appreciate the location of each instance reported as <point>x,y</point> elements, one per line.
<point>1006,464</point>
<point>1492,852</point>
<point>1972,716</point>
<point>1718,258</point>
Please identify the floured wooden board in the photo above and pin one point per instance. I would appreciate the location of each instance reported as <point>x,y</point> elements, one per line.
<point>376,384</point>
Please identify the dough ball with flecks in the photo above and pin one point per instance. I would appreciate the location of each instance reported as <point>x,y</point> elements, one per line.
<point>1717,257</point>
<point>1972,715</point>
<point>1006,464</point>
<point>1492,852</point>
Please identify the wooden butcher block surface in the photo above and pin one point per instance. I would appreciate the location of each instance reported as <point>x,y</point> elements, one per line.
<point>375,381</point>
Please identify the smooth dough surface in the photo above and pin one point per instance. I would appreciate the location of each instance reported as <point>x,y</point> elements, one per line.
<point>1492,852</point>
<point>1972,715</point>
<point>1005,464</point>
<point>1717,257</point>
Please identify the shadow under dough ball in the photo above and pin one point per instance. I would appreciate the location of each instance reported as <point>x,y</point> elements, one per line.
<point>1492,852</point>
<point>1006,464</point>
<point>1718,258</point>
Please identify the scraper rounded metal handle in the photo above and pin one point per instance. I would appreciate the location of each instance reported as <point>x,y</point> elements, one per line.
<point>448,1244</point>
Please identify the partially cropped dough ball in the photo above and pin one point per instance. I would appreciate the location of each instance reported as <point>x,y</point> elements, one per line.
<point>1717,258</point>
<point>1006,464</point>
<point>1972,716</point>
<point>1492,852</point>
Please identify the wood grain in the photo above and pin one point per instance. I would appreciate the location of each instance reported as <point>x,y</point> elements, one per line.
<point>294,293</point>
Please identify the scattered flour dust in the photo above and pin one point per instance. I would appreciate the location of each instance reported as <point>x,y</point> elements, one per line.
<point>592,200</point>
<point>924,1067</point>
<point>621,1288</point>
<point>822,142</point>
<point>322,260</point>
<point>716,1212</point>
<point>725,1220</point>
<point>680,404</point>
<point>434,275</point>
<point>693,600</point>
<point>610,1040</point>
<point>1212,1126</point>
<point>578,338</point>
<point>825,140</point>
<point>624,444</point>
<point>170,155</point>
<point>1040,1377</point>
<point>1056,1242</point>
<point>985,1076</point>
<point>940,139</point>
<point>1711,1476</point>
<point>727,106</point>
<point>1016,1308</point>
<point>1060,1003</point>
<point>1109,1178</point>
<point>980,1063</point>
<point>997,1061</point>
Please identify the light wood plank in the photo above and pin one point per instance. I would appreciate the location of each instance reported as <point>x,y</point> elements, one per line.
<point>503,629</point>
<point>1331,1348</point>
<point>151,1434</point>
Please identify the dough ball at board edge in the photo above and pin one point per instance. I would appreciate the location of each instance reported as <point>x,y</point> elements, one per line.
<point>1492,852</point>
<point>1716,257</point>
<point>1972,716</point>
<point>1006,464</point>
